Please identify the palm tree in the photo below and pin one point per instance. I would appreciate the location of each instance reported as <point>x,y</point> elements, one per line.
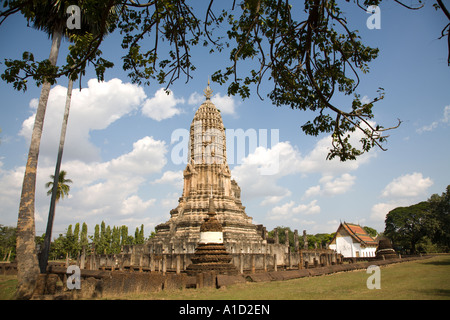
<point>50,17</point>
<point>62,189</point>
<point>92,26</point>
<point>27,261</point>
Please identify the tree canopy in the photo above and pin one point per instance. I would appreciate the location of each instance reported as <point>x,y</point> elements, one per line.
<point>307,52</point>
<point>426,221</point>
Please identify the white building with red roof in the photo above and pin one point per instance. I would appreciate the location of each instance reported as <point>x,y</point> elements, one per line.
<point>352,241</point>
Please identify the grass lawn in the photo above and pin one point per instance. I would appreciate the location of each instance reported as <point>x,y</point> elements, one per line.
<point>416,280</point>
<point>8,286</point>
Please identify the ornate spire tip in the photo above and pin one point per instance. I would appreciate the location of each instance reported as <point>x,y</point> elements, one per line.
<point>208,92</point>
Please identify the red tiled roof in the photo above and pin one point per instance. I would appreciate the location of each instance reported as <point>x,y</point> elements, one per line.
<point>358,233</point>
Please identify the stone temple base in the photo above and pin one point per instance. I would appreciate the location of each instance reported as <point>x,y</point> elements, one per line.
<point>385,250</point>
<point>211,257</point>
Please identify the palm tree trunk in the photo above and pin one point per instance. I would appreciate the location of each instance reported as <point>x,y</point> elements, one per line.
<point>43,259</point>
<point>27,261</point>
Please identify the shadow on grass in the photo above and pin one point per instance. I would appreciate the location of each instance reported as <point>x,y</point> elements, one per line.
<point>445,293</point>
<point>437,263</point>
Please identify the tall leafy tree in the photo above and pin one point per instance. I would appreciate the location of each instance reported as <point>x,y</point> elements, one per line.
<point>407,226</point>
<point>76,245</point>
<point>440,206</point>
<point>139,235</point>
<point>50,17</point>
<point>107,240</point>
<point>92,29</point>
<point>96,238</point>
<point>115,240</point>
<point>27,266</point>
<point>69,242</point>
<point>101,249</point>
<point>84,242</point>
<point>124,235</point>
<point>7,242</point>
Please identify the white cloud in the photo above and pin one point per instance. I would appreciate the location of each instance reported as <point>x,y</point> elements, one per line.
<point>147,156</point>
<point>162,105</point>
<point>274,199</point>
<point>172,177</point>
<point>307,209</point>
<point>289,161</point>
<point>315,161</point>
<point>226,104</point>
<point>445,120</point>
<point>281,212</point>
<point>10,188</point>
<point>196,99</point>
<point>289,210</point>
<point>134,204</point>
<point>170,201</point>
<point>380,210</point>
<point>331,186</point>
<point>339,185</point>
<point>312,191</point>
<point>100,190</point>
<point>408,185</point>
<point>111,186</point>
<point>92,108</point>
<point>403,191</point>
<point>112,189</point>
<point>248,173</point>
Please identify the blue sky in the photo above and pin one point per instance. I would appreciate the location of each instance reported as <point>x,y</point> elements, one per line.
<point>119,151</point>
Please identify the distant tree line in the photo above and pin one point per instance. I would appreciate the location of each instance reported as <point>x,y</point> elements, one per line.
<point>105,240</point>
<point>314,240</point>
<point>7,243</point>
<point>422,227</point>
<point>319,239</point>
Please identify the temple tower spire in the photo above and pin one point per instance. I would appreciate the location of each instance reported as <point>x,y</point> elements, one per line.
<point>208,189</point>
<point>208,92</point>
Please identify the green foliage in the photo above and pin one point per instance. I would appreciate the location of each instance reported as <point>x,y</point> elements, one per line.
<point>7,242</point>
<point>319,238</point>
<point>282,235</point>
<point>405,225</point>
<point>97,19</point>
<point>105,240</point>
<point>139,235</point>
<point>372,232</point>
<point>63,187</point>
<point>440,224</point>
<point>308,61</point>
<point>426,223</point>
